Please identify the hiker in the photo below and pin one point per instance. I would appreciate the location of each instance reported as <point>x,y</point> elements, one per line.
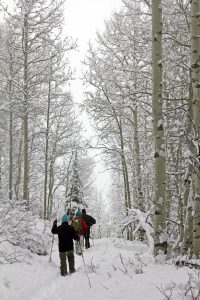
<point>80,227</point>
<point>90,221</point>
<point>66,235</point>
<point>70,212</point>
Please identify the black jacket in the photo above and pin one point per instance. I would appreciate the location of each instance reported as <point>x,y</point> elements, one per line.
<point>88,219</point>
<point>66,235</point>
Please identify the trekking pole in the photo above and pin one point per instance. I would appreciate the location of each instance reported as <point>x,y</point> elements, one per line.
<point>51,248</point>
<point>85,266</point>
<point>53,238</point>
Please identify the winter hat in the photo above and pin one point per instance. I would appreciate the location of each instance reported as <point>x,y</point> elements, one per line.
<point>83,211</point>
<point>65,218</point>
<point>78,213</point>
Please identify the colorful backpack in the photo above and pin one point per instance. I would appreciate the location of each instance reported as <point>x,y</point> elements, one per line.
<point>77,224</point>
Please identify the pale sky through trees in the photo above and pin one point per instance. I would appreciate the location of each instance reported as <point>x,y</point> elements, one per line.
<point>82,19</point>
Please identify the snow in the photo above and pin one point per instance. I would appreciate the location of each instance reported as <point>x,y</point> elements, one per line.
<point>161,201</point>
<point>163,237</point>
<point>160,123</point>
<point>143,222</point>
<point>187,153</point>
<point>159,63</point>
<point>117,269</point>
<point>162,153</point>
<point>141,64</point>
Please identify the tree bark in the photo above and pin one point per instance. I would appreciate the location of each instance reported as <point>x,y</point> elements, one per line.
<point>186,218</point>
<point>160,238</point>
<point>140,200</point>
<point>25,116</point>
<point>195,66</point>
<point>187,246</point>
<point>10,193</point>
<point>47,150</point>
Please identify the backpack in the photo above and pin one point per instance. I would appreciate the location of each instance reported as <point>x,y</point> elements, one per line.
<point>89,219</point>
<point>92,221</point>
<point>77,224</point>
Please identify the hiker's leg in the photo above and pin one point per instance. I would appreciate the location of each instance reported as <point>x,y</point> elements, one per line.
<point>85,234</point>
<point>87,241</point>
<point>70,256</point>
<point>63,263</point>
<point>76,247</point>
<point>89,238</point>
<point>81,243</point>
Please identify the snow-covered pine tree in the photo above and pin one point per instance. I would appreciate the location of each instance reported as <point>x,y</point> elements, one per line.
<point>75,197</point>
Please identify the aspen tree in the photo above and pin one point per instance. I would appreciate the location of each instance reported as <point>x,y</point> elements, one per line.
<point>160,238</point>
<point>38,26</point>
<point>138,161</point>
<point>11,59</point>
<point>47,143</point>
<point>195,67</point>
<point>186,218</point>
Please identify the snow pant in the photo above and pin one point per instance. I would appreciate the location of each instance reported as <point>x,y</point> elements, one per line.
<point>87,239</point>
<point>79,245</point>
<point>63,262</point>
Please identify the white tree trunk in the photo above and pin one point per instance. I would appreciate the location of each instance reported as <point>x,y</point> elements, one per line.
<point>195,66</point>
<point>160,237</point>
<point>18,179</point>
<point>188,224</point>
<point>47,150</point>
<point>10,194</point>
<point>186,218</point>
<point>140,200</point>
<point>25,116</point>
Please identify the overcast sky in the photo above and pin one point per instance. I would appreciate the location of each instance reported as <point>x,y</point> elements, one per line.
<point>82,19</point>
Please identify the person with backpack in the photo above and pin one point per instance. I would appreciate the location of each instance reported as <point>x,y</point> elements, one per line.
<point>80,227</point>
<point>90,221</point>
<point>66,235</point>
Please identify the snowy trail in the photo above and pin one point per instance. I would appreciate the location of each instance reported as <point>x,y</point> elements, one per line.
<point>112,267</point>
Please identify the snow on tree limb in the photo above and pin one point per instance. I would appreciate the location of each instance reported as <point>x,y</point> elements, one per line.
<point>135,215</point>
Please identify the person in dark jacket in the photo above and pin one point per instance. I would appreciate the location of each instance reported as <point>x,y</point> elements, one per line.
<point>90,221</point>
<point>66,235</point>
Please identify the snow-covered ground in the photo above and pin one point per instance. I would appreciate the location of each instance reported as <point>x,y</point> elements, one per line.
<point>116,270</point>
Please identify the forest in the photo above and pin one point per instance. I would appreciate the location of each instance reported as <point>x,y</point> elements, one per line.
<point>142,97</point>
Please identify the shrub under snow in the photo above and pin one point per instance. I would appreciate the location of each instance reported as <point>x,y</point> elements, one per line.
<point>21,233</point>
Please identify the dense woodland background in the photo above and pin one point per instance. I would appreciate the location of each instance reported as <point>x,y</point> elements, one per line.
<point>143,100</point>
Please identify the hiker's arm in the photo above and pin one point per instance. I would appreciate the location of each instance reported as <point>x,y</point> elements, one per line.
<point>54,229</point>
<point>92,221</point>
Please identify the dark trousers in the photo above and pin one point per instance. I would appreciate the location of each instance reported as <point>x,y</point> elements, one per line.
<point>87,239</point>
<point>63,261</point>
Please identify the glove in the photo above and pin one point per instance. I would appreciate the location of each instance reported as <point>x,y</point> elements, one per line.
<point>55,222</point>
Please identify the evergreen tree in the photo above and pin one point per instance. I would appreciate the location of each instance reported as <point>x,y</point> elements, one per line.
<point>75,198</point>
